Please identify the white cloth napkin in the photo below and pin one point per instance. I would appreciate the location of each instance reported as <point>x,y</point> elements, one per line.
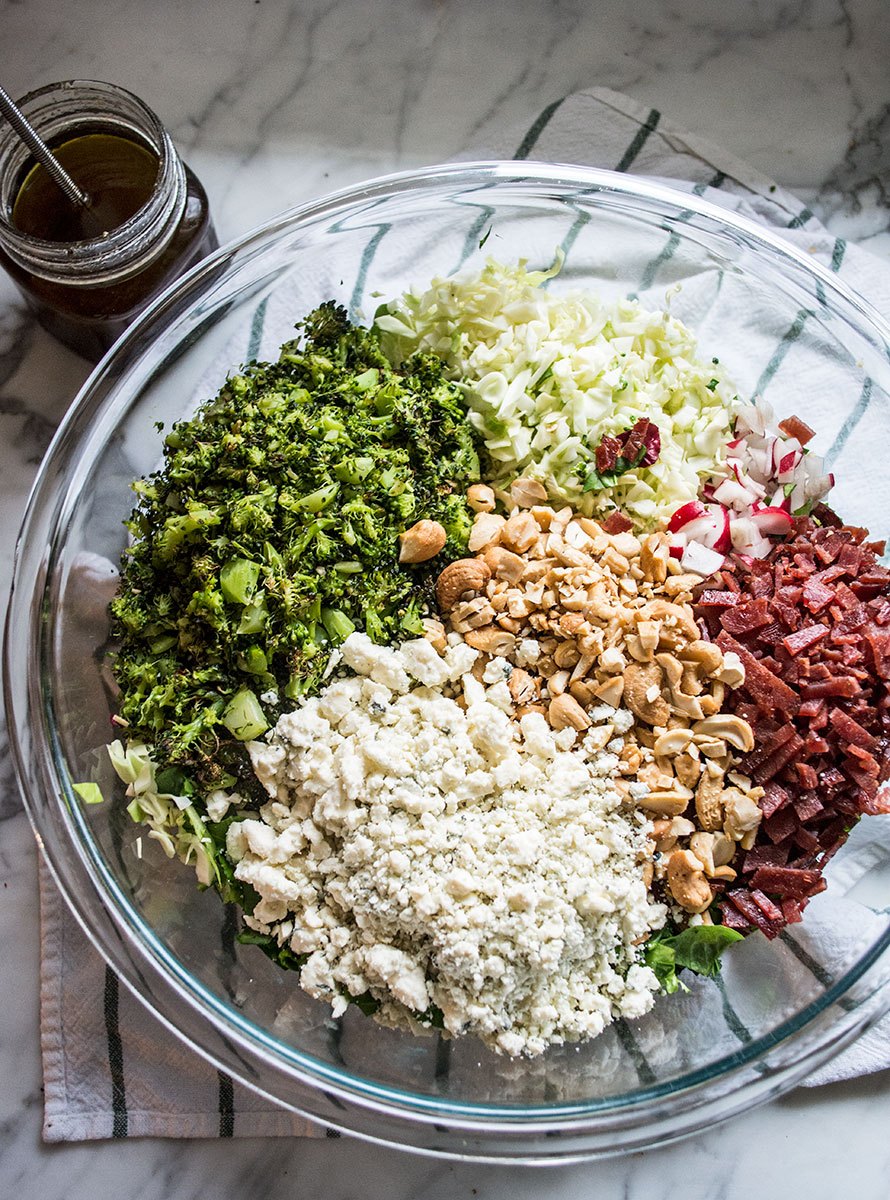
<point>110,1069</point>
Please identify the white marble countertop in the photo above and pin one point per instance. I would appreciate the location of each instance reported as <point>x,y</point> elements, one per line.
<point>277,101</point>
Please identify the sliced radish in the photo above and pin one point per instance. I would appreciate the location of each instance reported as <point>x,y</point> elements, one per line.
<point>759,464</point>
<point>788,465</point>
<point>747,538</point>
<point>779,500</point>
<point>700,559</point>
<point>734,494</point>
<point>773,522</point>
<point>686,513</point>
<point>798,497</point>
<point>711,530</point>
<point>819,486</point>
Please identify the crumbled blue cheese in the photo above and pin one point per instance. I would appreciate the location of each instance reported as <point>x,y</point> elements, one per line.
<point>428,849</point>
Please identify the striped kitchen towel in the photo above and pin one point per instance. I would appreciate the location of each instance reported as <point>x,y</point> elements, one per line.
<point>110,1068</point>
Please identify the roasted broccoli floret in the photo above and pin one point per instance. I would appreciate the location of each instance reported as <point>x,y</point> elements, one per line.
<point>271,532</point>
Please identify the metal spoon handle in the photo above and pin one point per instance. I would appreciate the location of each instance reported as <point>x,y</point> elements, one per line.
<point>41,151</point>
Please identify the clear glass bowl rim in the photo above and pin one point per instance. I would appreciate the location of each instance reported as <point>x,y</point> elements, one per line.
<point>31,716</point>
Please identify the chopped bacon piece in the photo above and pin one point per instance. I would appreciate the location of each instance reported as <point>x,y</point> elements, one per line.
<point>748,907</point>
<point>802,639</point>
<point>645,436</point>
<point>816,595</point>
<point>788,881</point>
<point>804,840</point>
<point>607,454</point>
<point>831,778</point>
<point>777,760</point>
<point>843,685</point>
<point>774,798</point>
<point>807,776</point>
<point>791,911</point>
<point>764,856</point>
<point>746,617</point>
<point>766,688</point>
<point>794,427</point>
<point>808,805</point>
<point>766,906</point>
<point>733,918</point>
<point>781,825</point>
<point>811,626</point>
<point>714,599</point>
<point>879,803</point>
<point>616,522</point>
<point>850,730</point>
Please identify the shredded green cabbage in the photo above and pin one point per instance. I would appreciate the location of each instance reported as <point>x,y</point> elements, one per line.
<point>546,376</point>
<point>172,820</point>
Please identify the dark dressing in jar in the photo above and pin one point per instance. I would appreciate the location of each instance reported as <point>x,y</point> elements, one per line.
<point>87,273</point>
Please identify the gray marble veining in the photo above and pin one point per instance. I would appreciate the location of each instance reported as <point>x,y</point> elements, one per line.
<point>277,102</point>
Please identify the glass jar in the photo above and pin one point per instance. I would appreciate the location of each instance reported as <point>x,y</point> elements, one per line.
<point>86,291</point>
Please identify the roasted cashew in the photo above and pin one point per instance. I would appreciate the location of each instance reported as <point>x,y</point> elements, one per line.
<point>709,802</point>
<point>504,564</point>
<point>491,640</point>
<point>742,816</point>
<point>527,492</point>
<point>520,532</point>
<point>487,528</point>
<point>729,728</point>
<point>458,578</point>
<point>687,882</point>
<point>523,688</point>
<point>423,541</point>
<point>667,803</point>
<point>565,711</point>
<point>673,742</point>
<point>639,681</point>
<point>480,498</point>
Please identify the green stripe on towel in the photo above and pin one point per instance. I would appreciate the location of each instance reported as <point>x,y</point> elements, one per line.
<point>850,423</point>
<point>644,1072</point>
<point>639,141</point>
<point>256,330</point>
<point>788,339</point>
<point>537,128</point>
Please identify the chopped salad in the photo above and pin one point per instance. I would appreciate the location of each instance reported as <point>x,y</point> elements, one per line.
<point>497,660</point>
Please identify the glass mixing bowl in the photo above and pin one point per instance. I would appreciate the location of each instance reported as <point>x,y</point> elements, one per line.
<point>779,323</point>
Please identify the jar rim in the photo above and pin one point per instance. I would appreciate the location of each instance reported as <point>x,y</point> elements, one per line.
<point>63,107</point>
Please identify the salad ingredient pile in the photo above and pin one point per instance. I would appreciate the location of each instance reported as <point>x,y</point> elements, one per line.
<point>811,625</point>
<point>585,625</point>
<point>272,532</point>
<point>445,867</point>
<point>498,661</point>
<point>552,379</point>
